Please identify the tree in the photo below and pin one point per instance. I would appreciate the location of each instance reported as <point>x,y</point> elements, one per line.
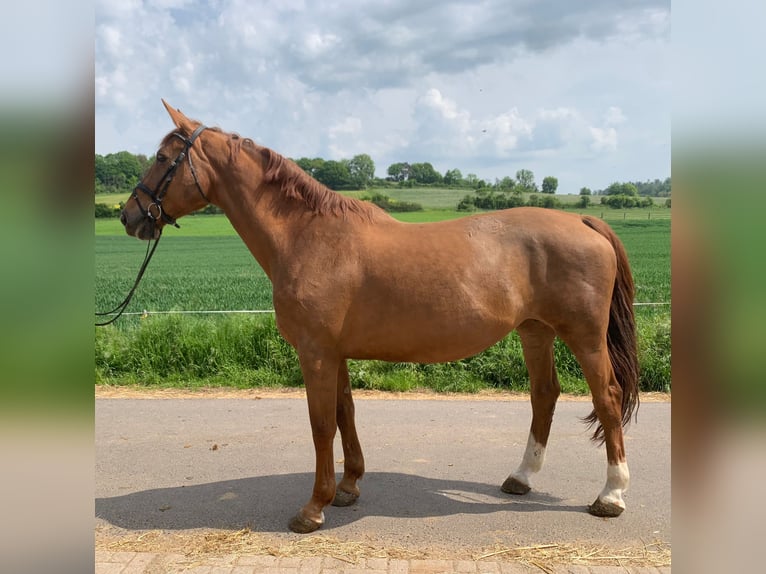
<point>654,188</point>
<point>424,173</point>
<point>119,172</point>
<point>471,180</point>
<point>629,189</point>
<point>310,166</point>
<point>399,171</point>
<point>453,177</point>
<point>488,199</point>
<point>362,170</point>
<point>621,201</point>
<point>468,203</point>
<point>584,200</point>
<point>526,180</point>
<point>550,184</point>
<point>618,188</point>
<point>106,171</point>
<point>335,174</point>
<point>585,191</point>
<point>507,184</point>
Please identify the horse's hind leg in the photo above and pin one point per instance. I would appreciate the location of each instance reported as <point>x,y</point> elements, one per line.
<point>347,490</point>
<point>537,342</point>
<point>607,403</point>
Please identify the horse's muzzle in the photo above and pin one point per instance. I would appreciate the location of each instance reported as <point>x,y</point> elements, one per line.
<point>140,226</point>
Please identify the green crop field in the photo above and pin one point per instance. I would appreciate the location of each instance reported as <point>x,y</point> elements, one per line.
<point>204,266</point>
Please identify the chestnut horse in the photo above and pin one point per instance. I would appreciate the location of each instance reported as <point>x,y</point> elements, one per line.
<point>350,282</point>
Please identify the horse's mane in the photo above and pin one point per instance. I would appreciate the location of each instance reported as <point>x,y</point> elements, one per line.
<point>296,184</point>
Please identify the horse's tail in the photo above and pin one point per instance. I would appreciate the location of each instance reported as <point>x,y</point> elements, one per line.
<point>621,333</point>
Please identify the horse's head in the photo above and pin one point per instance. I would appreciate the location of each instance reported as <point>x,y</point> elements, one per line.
<point>171,188</point>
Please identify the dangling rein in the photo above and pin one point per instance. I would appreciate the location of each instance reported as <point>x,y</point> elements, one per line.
<point>151,246</point>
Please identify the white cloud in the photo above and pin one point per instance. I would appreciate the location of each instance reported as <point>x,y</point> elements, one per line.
<point>614,116</point>
<point>488,88</point>
<point>316,44</point>
<point>446,109</point>
<point>604,139</point>
<point>102,86</point>
<point>506,129</point>
<point>349,126</point>
<point>182,76</point>
<point>111,40</point>
<point>117,8</point>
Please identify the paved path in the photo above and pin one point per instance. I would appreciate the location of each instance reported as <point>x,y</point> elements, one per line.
<point>151,563</point>
<point>433,471</point>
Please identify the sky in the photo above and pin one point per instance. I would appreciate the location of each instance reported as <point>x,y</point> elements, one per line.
<point>576,90</point>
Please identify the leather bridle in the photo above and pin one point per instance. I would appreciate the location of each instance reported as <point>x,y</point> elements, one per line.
<point>158,193</point>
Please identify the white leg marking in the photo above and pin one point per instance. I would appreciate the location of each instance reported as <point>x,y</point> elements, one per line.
<point>617,480</point>
<point>534,456</point>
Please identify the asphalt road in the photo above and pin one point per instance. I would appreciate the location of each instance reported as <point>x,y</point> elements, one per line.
<point>434,469</point>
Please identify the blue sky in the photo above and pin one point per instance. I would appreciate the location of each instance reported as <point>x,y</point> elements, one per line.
<point>577,90</point>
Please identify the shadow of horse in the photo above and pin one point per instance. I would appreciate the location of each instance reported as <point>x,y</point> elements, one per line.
<point>265,503</point>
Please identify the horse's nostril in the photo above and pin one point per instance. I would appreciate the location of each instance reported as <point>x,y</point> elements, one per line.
<point>123,219</point>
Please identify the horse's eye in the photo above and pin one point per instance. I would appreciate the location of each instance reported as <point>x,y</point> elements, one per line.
<point>161,158</point>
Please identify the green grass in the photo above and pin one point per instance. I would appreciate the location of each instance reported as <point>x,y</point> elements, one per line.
<point>191,273</point>
<point>205,266</point>
<point>191,226</point>
<point>247,351</point>
<point>428,197</point>
<point>112,198</point>
<point>427,215</point>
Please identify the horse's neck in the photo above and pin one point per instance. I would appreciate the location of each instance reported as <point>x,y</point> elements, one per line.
<point>254,217</point>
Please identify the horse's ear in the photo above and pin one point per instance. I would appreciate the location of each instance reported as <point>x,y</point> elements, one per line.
<point>180,120</point>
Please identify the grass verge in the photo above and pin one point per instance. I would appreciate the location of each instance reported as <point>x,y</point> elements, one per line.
<point>248,352</point>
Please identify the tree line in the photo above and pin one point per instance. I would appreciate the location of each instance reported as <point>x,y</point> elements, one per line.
<point>120,172</point>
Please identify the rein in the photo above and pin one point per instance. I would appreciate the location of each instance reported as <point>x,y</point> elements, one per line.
<point>156,197</point>
<point>120,309</point>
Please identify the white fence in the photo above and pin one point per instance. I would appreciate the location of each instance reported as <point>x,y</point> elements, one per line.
<point>267,311</point>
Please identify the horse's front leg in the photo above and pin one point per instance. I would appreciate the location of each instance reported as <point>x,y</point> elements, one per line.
<point>347,491</point>
<point>320,375</point>
<point>537,343</point>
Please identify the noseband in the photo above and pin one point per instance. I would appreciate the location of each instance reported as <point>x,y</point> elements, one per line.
<point>154,210</point>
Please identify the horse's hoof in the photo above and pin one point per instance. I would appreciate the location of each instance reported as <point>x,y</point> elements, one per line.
<point>514,486</point>
<point>343,498</point>
<point>605,509</point>
<point>303,525</point>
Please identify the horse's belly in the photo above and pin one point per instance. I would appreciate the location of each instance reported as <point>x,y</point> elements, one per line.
<point>424,342</point>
